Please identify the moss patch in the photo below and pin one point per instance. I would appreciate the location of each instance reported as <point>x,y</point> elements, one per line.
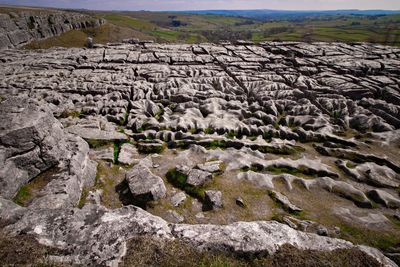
<point>216,144</point>
<point>24,195</point>
<point>71,114</point>
<point>178,180</point>
<point>350,165</point>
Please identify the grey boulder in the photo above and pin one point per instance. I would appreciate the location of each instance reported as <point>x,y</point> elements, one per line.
<point>144,184</point>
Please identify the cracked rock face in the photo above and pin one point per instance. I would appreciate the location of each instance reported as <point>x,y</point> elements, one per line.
<point>316,123</point>
<point>34,144</point>
<point>22,27</point>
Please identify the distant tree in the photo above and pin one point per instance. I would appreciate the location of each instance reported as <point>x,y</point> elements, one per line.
<point>177,23</point>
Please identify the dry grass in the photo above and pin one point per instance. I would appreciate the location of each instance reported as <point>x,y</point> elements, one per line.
<point>24,250</point>
<point>74,38</point>
<point>145,251</point>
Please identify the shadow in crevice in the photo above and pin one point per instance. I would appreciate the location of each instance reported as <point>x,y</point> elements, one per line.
<point>127,198</point>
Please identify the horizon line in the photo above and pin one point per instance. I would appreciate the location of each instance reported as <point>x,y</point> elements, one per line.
<point>201,10</point>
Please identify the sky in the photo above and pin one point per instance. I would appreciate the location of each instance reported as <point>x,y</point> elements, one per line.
<point>154,5</point>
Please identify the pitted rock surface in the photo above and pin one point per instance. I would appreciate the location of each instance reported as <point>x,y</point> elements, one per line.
<point>315,120</point>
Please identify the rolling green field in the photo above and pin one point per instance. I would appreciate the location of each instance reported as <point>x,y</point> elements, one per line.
<point>168,27</point>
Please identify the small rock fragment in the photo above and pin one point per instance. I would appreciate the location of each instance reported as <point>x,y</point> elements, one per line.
<point>104,153</point>
<point>284,201</point>
<point>210,166</point>
<point>198,177</point>
<point>213,199</point>
<point>240,202</point>
<point>178,199</point>
<point>321,230</point>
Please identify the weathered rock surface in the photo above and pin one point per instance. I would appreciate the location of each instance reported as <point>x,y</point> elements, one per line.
<point>267,113</point>
<point>93,235</point>
<point>213,199</point>
<point>340,188</point>
<point>198,177</point>
<point>96,134</point>
<point>33,142</point>
<point>97,236</point>
<point>144,184</point>
<point>384,198</point>
<point>128,154</point>
<point>211,166</point>
<point>178,199</point>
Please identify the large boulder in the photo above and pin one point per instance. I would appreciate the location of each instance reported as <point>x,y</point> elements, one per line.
<point>93,236</point>
<point>33,142</point>
<point>143,184</point>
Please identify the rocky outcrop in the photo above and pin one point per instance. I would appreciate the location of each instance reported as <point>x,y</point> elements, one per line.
<point>339,188</point>
<point>32,142</point>
<point>21,27</point>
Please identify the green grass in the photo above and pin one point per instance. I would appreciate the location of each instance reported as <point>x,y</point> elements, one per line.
<point>74,38</point>
<point>208,131</point>
<point>117,148</point>
<point>214,144</point>
<point>359,235</point>
<point>145,249</point>
<point>166,35</point>
<point>231,135</point>
<point>159,114</point>
<point>127,21</point>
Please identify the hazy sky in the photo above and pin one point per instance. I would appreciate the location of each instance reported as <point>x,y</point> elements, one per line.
<point>211,4</point>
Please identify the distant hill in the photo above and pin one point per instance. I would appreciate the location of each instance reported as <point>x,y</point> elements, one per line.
<point>268,14</point>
